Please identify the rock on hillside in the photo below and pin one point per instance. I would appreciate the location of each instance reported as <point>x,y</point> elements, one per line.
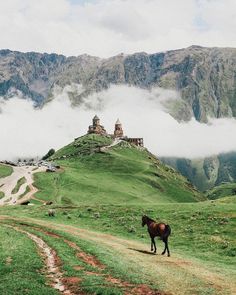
<point>205,77</point>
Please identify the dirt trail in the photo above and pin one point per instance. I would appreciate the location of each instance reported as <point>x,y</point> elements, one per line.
<point>91,260</point>
<point>51,262</point>
<point>116,141</point>
<point>175,274</point>
<point>7,184</point>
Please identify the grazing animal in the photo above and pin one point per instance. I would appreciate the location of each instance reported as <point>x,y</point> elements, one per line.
<point>161,230</point>
<point>51,213</point>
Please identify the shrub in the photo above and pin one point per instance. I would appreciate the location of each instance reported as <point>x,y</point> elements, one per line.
<point>96,215</point>
<point>49,154</point>
<point>131,229</point>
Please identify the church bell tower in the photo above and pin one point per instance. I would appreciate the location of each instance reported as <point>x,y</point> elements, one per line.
<point>118,132</point>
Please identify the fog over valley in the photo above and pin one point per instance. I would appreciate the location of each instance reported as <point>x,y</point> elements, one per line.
<point>29,132</point>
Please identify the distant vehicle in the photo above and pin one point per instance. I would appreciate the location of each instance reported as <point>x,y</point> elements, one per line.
<point>51,169</point>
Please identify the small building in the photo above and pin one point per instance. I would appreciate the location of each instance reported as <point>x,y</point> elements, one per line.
<point>118,132</point>
<point>137,141</point>
<point>96,127</point>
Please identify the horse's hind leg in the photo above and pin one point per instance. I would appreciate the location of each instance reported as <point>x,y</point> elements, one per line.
<point>166,247</point>
<point>168,251</point>
<point>164,251</point>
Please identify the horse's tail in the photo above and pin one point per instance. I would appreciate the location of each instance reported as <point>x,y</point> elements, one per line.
<point>167,231</point>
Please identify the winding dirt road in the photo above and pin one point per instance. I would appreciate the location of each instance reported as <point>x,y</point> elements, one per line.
<point>7,184</point>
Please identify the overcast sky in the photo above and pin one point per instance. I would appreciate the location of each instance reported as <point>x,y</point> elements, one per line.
<point>108,27</point>
<point>105,28</point>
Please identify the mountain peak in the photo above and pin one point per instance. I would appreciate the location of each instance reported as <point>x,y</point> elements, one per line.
<point>196,73</point>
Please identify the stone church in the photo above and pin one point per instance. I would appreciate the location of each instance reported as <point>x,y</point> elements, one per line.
<point>97,128</point>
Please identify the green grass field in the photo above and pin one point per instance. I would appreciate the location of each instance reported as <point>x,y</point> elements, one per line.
<point>21,265</point>
<point>96,235</point>
<point>203,238</point>
<point>5,170</point>
<point>19,183</point>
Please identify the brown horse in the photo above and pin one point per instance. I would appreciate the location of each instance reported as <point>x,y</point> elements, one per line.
<point>161,230</point>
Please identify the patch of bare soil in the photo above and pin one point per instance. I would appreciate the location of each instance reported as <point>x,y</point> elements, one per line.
<point>132,289</point>
<point>89,259</point>
<point>143,290</point>
<point>73,284</point>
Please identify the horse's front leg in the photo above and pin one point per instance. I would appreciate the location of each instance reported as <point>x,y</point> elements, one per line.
<point>154,243</point>
<point>151,244</point>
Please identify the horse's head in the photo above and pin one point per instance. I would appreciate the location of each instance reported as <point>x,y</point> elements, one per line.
<point>144,220</point>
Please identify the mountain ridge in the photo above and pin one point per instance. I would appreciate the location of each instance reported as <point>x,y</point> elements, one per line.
<point>204,77</point>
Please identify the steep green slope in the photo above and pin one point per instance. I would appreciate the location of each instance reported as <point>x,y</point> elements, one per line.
<point>119,174</point>
<point>221,191</point>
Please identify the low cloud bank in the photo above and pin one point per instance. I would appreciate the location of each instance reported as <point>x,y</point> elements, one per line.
<point>27,132</point>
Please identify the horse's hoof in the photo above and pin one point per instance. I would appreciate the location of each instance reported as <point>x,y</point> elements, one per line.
<point>162,253</point>
<point>168,255</point>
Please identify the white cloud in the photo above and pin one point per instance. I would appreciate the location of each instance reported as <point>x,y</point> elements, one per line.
<point>108,27</point>
<point>26,132</point>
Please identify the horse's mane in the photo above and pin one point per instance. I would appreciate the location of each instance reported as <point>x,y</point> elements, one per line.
<point>150,219</point>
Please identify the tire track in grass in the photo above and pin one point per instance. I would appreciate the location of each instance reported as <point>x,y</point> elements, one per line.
<point>52,263</point>
<point>198,278</point>
<point>91,260</point>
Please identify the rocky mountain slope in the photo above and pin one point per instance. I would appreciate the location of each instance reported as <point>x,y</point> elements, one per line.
<point>204,77</point>
<point>208,172</point>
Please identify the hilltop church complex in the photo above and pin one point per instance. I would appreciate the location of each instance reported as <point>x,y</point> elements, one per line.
<point>96,128</point>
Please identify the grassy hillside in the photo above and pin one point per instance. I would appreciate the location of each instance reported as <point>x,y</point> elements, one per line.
<point>5,170</point>
<point>223,190</point>
<point>120,174</point>
<point>227,200</point>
